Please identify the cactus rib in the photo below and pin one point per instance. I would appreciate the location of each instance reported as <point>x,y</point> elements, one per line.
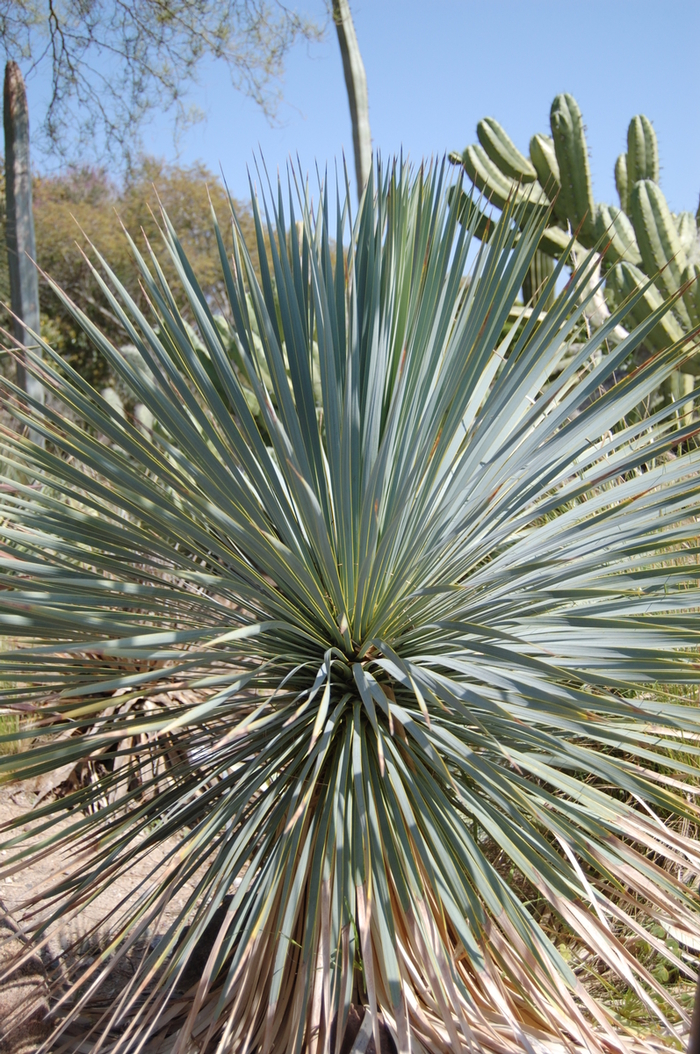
<point>691,295</point>
<point>660,247</point>
<point>613,224</point>
<point>575,201</point>
<point>621,182</point>
<point>503,152</point>
<point>642,151</point>
<point>498,188</point>
<point>687,231</point>
<point>545,164</point>
<point>623,281</point>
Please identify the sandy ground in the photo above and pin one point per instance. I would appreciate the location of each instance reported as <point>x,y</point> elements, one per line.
<point>69,938</point>
<point>15,803</point>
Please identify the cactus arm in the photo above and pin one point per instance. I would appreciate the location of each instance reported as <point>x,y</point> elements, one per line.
<point>642,151</point>
<point>19,231</point>
<point>621,182</point>
<point>687,231</point>
<point>503,152</point>
<point>575,201</point>
<point>556,242</point>
<point>497,187</point>
<point>467,210</point>
<point>691,295</point>
<point>612,223</point>
<point>624,279</point>
<point>662,254</point>
<point>486,176</point>
<point>544,161</point>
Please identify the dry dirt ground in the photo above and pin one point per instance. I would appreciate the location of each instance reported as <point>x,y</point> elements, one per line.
<point>66,938</point>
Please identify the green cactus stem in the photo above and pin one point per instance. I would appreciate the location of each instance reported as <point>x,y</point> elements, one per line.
<point>691,294</point>
<point>642,151</point>
<point>556,242</point>
<point>612,224</point>
<point>660,247</point>
<point>466,210</point>
<point>540,271</point>
<point>623,281</point>
<point>575,201</point>
<point>621,181</point>
<point>677,389</point>
<point>503,152</point>
<point>644,247</point>
<point>687,231</point>
<point>486,175</point>
<point>497,187</point>
<point>544,160</point>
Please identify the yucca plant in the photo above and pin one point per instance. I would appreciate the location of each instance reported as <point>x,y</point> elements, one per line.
<point>373,680</point>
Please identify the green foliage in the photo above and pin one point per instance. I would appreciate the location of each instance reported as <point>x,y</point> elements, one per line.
<point>79,207</point>
<point>642,232</point>
<point>376,660</point>
<point>691,294</point>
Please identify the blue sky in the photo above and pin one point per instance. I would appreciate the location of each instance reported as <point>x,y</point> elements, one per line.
<point>435,68</point>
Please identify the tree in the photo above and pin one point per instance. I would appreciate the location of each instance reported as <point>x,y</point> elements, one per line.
<point>356,85</point>
<point>85,205</point>
<point>113,62</point>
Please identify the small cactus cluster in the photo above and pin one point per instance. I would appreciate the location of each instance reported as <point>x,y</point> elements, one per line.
<point>642,239</point>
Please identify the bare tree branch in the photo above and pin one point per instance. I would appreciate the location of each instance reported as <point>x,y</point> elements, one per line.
<point>113,62</point>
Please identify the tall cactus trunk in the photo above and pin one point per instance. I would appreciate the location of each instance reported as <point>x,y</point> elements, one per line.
<point>356,85</point>
<point>21,246</point>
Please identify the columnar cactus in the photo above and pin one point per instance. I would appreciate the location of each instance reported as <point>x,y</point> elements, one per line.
<point>19,230</point>
<point>640,240</point>
<point>574,203</point>
<point>642,151</point>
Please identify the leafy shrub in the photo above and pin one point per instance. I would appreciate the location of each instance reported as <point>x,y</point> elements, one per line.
<point>373,661</point>
<point>78,206</point>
